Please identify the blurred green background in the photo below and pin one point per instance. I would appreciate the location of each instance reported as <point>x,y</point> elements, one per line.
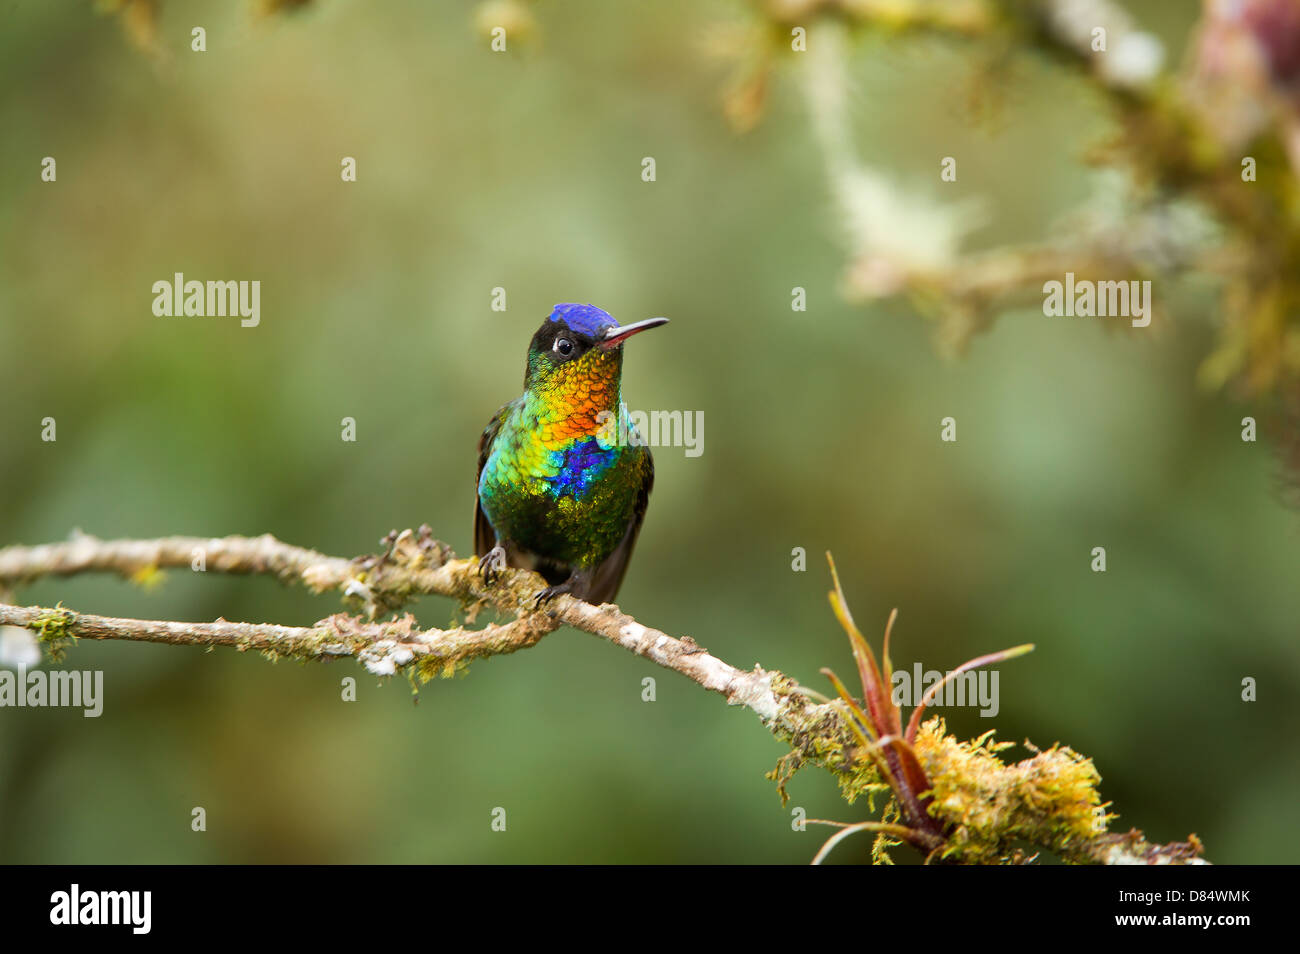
<point>522,170</point>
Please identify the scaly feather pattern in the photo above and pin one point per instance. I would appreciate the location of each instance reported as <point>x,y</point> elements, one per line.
<point>557,491</point>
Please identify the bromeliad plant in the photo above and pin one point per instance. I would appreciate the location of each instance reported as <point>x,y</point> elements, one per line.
<point>890,750</point>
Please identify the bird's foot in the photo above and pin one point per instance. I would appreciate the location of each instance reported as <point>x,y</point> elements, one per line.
<point>492,564</point>
<point>551,592</point>
<point>577,585</point>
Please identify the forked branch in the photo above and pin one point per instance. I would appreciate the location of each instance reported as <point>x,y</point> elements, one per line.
<point>414,564</point>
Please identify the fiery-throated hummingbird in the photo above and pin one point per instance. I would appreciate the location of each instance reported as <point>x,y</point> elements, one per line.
<point>558,491</point>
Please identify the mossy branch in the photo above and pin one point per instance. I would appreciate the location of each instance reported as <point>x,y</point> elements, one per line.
<point>980,808</point>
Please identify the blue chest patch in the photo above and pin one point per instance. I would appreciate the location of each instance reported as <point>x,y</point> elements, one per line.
<point>580,465</point>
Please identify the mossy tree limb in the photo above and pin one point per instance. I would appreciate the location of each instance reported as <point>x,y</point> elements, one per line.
<point>982,808</point>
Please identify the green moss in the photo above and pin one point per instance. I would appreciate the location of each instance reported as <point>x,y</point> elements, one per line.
<point>53,629</point>
<point>816,735</point>
<point>987,807</point>
<point>429,667</point>
<point>1050,800</point>
<point>880,847</point>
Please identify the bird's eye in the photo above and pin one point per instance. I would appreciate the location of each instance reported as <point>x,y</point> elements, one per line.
<point>564,346</point>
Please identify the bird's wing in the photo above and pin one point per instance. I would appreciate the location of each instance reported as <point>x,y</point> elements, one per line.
<point>484,536</point>
<point>608,576</point>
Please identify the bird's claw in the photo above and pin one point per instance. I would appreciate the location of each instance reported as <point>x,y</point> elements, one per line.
<point>492,564</point>
<point>550,593</point>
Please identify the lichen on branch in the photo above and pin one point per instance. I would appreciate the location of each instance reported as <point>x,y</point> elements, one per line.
<point>955,801</point>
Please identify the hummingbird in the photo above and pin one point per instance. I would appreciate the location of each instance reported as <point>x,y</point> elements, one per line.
<point>558,491</point>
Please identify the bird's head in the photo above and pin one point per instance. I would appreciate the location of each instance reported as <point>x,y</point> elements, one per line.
<point>578,351</point>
